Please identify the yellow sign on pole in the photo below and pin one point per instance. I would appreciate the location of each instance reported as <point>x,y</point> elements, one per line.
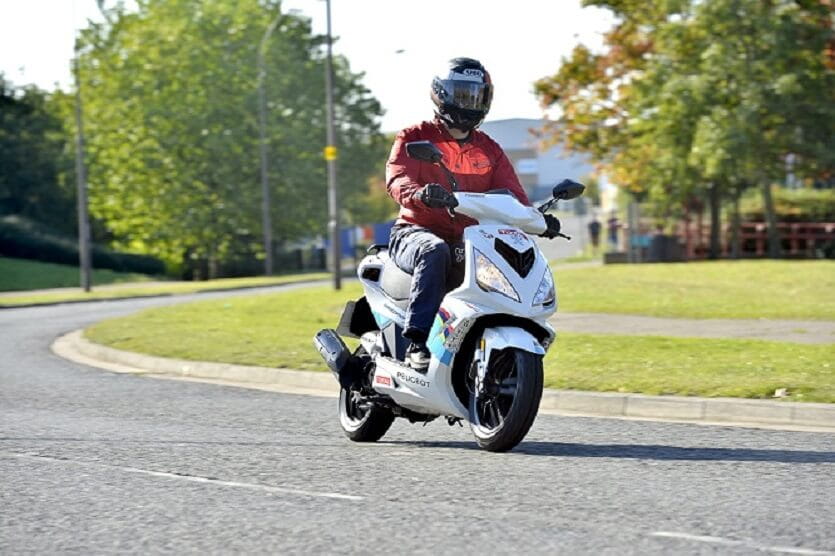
<point>330,152</point>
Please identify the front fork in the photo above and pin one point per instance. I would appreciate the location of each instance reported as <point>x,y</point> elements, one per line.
<point>498,338</point>
<point>478,369</point>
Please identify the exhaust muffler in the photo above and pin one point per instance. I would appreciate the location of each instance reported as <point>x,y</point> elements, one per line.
<point>333,350</point>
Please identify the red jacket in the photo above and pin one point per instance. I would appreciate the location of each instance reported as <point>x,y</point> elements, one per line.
<point>479,165</point>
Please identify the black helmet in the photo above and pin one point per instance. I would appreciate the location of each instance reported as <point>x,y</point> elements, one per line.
<point>463,95</point>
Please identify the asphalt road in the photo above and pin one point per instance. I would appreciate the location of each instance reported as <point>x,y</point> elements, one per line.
<point>93,462</point>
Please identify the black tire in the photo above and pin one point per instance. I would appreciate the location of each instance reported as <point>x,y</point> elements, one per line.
<point>362,424</point>
<point>500,420</point>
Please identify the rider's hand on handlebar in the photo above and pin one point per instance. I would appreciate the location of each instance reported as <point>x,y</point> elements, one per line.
<point>552,227</point>
<point>434,195</point>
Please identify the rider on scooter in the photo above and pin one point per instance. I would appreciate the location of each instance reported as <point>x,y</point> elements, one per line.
<point>426,239</point>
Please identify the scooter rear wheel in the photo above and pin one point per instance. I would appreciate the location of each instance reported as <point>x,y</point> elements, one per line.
<point>503,412</point>
<point>362,424</point>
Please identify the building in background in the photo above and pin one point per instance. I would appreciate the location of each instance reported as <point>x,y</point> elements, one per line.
<point>538,169</point>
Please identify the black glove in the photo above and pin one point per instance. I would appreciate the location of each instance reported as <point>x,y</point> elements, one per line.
<point>434,195</point>
<point>552,226</point>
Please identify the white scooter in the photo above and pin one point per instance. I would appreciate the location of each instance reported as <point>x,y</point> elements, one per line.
<point>488,339</point>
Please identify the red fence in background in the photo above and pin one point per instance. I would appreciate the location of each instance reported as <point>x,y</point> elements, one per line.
<point>798,239</point>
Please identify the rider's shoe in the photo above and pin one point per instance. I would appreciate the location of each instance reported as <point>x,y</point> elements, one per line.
<point>417,357</point>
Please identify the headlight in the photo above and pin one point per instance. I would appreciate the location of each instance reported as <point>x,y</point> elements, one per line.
<point>490,278</point>
<point>545,295</point>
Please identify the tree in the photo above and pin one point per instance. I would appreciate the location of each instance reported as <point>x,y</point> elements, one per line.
<point>592,192</point>
<point>171,110</point>
<point>32,157</point>
<point>703,98</point>
<point>376,205</point>
<point>770,94</point>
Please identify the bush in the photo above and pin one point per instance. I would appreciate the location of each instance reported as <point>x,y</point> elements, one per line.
<point>792,205</point>
<point>25,239</point>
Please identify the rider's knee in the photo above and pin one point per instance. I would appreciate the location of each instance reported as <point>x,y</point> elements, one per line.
<point>437,253</point>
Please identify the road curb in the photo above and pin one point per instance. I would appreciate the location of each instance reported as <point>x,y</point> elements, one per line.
<point>75,347</point>
<point>730,411</point>
<point>723,411</point>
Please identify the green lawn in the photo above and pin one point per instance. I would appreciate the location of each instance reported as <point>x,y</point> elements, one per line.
<point>276,330</point>
<point>23,274</point>
<point>741,289</point>
<point>166,288</point>
<point>724,289</point>
<point>691,366</point>
<point>273,330</point>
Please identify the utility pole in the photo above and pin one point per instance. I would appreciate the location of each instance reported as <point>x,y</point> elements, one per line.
<point>266,220</point>
<point>330,157</point>
<point>81,182</point>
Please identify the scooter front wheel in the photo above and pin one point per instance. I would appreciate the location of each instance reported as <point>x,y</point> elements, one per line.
<point>361,422</point>
<point>504,407</point>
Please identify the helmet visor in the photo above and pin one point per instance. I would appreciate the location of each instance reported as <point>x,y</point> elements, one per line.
<point>467,95</point>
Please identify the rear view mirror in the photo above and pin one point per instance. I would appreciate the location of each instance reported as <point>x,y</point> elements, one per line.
<point>568,189</point>
<point>423,150</point>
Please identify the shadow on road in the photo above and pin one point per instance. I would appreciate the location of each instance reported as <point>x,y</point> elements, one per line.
<point>646,452</point>
<point>551,449</point>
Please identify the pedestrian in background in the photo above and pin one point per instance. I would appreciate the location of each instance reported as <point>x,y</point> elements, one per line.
<point>594,233</point>
<point>613,224</point>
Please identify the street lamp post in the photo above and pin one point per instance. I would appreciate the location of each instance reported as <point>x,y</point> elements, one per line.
<point>85,262</point>
<point>330,157</point>
<point>81,183</point>
<point>266,220</point>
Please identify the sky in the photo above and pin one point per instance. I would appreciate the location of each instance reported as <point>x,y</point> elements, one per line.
<point>399,44</point>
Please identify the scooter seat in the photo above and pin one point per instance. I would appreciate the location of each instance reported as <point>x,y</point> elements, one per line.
<point>396,283</point>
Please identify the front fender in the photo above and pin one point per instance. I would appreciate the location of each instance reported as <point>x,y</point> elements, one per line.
<point>502,337</point>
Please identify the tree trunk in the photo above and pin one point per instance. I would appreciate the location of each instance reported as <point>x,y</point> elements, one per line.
<point>715,222</point>
<point>634,223</point>
<point>212,263</point>
<point>736,248</point>
<point>700,231</point>
<point>774,250</point>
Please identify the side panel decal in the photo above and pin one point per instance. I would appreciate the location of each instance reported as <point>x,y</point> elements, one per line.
<point>441,330</point>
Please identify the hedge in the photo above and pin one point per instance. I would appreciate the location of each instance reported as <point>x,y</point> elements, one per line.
<point>25,239</point>
<point>792,205</point>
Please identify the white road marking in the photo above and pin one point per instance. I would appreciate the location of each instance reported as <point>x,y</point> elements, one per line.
<point>731,542</point>
<point>191,478</point>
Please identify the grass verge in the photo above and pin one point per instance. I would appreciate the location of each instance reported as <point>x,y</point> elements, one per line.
<point>724,289</point>
<point>23,274</point>
<point>277,330</point>
<point>691,366</point>
<point>157,288</point>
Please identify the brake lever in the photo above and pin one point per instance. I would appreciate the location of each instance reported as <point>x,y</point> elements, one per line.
<point>560,234</point>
